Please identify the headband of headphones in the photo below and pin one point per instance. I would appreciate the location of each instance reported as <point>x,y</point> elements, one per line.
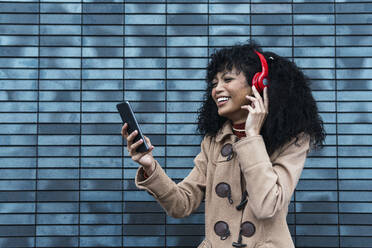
<point>260,79</point>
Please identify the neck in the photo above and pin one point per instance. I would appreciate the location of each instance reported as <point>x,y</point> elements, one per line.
<point>238,122</point>
<point>239,119</point>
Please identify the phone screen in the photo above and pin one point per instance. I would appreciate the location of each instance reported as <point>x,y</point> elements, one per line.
<point>127,116</point>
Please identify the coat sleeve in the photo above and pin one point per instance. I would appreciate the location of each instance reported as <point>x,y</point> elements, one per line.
<point>270,184</point>
<point>178,200</point>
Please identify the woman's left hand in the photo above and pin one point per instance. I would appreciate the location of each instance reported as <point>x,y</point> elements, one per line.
<point>258,111</point>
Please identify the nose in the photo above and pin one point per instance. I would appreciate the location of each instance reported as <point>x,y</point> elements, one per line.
<point>219,87</point>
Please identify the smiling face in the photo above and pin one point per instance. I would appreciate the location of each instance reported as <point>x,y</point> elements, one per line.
<point>228,92</point>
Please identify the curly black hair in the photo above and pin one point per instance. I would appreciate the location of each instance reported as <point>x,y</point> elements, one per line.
<point>292,107</point>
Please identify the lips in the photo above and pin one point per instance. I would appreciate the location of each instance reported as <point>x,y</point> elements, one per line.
<point>221,103</point>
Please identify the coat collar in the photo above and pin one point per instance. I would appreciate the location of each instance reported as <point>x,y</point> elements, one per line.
<point>225,130</point>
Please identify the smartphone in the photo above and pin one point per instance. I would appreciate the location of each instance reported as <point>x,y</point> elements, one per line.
<point>127,116</point>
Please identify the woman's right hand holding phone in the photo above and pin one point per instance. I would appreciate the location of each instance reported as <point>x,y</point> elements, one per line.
<point>144,158</point>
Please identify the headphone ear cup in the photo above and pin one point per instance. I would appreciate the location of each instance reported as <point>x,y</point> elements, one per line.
<point>255,80</point>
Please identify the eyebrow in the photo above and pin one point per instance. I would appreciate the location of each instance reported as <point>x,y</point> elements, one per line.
<point>223,74</point>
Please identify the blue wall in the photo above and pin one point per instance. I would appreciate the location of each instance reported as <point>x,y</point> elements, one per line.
<point>66,179</point>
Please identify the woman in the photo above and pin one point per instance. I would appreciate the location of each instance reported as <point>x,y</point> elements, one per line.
<point>259,121</point>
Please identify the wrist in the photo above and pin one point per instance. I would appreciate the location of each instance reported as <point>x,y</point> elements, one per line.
<point>149,170</point>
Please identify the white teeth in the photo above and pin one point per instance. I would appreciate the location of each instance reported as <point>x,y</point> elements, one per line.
<point>222,99</point>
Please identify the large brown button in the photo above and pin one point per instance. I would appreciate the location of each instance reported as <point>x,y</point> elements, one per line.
<point>227,151</point>
<point>223,190</point>
<point>247,229</point>
<point>221,228</point>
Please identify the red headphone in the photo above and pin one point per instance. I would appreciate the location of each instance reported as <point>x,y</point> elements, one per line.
<point>260,79</point>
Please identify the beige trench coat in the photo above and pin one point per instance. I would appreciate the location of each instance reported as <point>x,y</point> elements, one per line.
<point>269,182</point>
